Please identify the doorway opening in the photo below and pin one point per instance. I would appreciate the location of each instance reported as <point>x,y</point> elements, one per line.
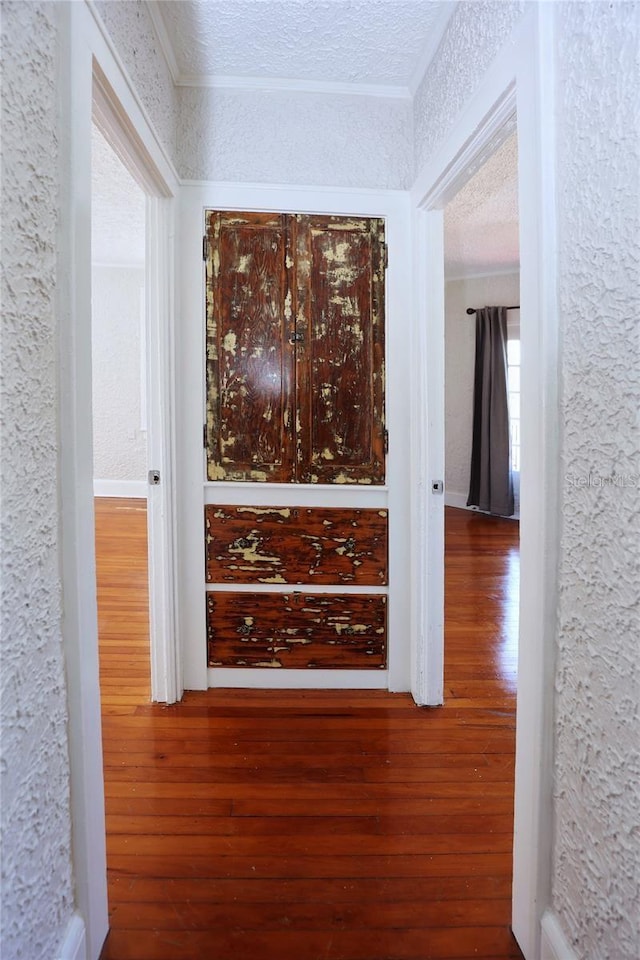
<point>119,411</point>
<point>482,268</point>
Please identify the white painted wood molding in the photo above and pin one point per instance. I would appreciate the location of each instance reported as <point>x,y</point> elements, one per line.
<point>554,944</point>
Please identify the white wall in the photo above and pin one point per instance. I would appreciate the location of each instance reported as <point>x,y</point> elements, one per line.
<point>249,136</point>
<point>37,884</point>
<point>596,872</point>
<point>119,443</point>
<point>460,345</point>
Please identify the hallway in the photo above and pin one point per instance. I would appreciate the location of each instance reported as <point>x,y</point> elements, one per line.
<point>312,824</point>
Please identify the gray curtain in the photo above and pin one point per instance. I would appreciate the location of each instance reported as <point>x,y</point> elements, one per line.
<point>491,483</point>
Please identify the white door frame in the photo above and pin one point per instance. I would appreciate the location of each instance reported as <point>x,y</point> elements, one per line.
<point>521,79</point>
<point>112,121</point>
<point>195,490</point>
<point>87,54</point>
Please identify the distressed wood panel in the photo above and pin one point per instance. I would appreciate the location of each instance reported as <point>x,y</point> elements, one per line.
<point>297,630</point>
<point>295,545</point>
<point>295,348</point>
<point>250,351</point>
<point>340,357</point>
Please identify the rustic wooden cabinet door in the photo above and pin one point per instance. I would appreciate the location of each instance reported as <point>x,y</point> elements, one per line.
<point>340,356</point>
<point>250,348</point>
<point>295,348</point>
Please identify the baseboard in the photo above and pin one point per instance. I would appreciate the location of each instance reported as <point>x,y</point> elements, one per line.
<point>459,500</point>
<point>554,944</point>
<point>120,488</point>
<point>74,942</point>
<point>453,499</point>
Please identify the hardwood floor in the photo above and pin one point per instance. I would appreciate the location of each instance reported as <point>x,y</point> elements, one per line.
<point>312,825</point>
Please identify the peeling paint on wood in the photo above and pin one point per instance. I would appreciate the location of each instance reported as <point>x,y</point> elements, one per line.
<point>341,357</point>
<point>324,545</point>
<point>295,322</point>
<point>250,360</point>
<point>296,630</point>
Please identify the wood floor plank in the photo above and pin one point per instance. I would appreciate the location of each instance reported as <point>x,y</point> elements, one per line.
<point>410,944</point>
<point>135,889</point>
<point>312,825</point>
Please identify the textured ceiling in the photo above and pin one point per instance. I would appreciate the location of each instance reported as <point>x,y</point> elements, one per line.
<point>117,209</point>
<point>481,222</point>
<point>342,41</point>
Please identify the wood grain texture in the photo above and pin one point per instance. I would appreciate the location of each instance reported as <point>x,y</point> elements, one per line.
<point>250,354</point>
<point>295,348</point>
<point>297,630</point>
<point>325,824</point>
<point>295,545</point>
<point>340,360</point>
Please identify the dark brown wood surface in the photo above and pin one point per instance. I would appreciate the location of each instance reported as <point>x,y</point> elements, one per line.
<point>297,630</point>
<point>330,786</point>
<point>325,545</point>
<point>250,353</point>
<point>295,348</point>
<point>340,359</point>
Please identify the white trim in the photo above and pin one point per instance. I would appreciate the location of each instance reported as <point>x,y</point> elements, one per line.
<point>431,47</point>
<point>458,500</point>
<point>428,462</point>
<point>137,117</point>
<point>295,495</point>
<point>554,944</point>
<point>481,274</point>
<point>539,474</point>
<point>136,489</point>
<point>83,43</point>
<point>194,491</point>
<point>80,628</point>
<point>266,679</point>
<point>166,651</point>
<point>291,85</point>
<point>258,194</point>
<point>522,74</point>
<point>74,942</point>
<point>113,121</point>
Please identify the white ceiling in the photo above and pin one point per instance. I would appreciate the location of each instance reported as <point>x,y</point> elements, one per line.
<point>481,222</point>
<point>364,42</point>
<point>117,209</point>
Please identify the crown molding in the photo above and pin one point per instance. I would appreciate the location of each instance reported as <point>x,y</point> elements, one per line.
<point>431,46</point>
<point>480,273</point>
<point>294,86</point>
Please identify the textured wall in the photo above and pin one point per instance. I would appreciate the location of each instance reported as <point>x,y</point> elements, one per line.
<point>460,346</point>
<point>596,888</point>
<point>37,893</point>
<point>285,137</point>
<point>131,30</point>
<point>477,31</point>
<point>119,445</point>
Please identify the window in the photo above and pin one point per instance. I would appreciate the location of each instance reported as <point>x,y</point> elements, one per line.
<point>513,384</point>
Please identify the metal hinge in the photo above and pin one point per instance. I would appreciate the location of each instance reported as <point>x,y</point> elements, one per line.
<point>205,248</point>
<point>386,441</point>
<point>385,255</point>
<point>204,435</point>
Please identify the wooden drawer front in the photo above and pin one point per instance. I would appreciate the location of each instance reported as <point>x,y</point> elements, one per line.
<point>297,630</point>
<point>295,545</point>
